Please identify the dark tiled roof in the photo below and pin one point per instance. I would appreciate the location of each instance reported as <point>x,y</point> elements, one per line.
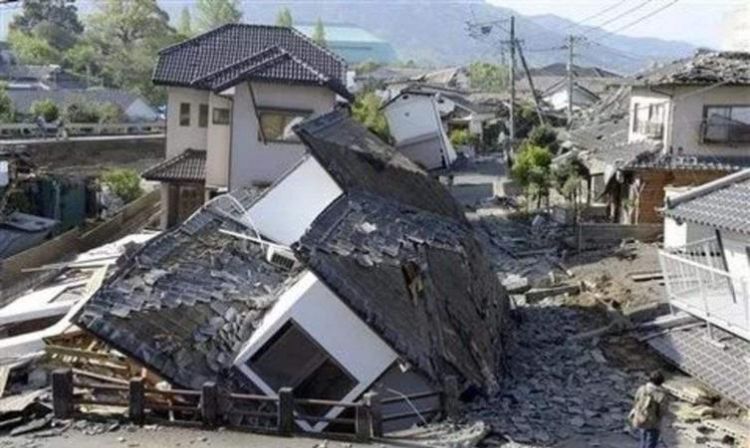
<point>706,163</point>
<point>722,204</point>
<point>732,68</point>
<point>184,303</point>
<point>235,52</point>
<point>190,166</point>
<point>359,161</point>
<point>358,247</point>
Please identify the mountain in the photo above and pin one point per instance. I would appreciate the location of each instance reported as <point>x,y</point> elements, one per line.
<point>436,32</point>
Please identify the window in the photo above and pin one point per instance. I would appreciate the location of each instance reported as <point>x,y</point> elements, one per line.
<point>276,125</point>
<point>184,114</point>
<point>293,359</point>
<point>221,115</point>
<point>648,119</point>
<point>203,115</point>
<point>725,124</point>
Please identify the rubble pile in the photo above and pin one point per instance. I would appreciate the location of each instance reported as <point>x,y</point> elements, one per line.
<point>557,387</point>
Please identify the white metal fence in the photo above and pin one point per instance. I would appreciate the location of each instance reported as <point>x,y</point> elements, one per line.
<point>698,283</point>
<point>34,131</point>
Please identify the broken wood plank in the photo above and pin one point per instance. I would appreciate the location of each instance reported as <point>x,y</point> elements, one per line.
<point>543,293</point>
<point>645,276</point>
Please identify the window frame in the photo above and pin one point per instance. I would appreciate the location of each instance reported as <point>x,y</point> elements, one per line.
<point>705,123</point>
<point>214,117</point>
<point>285,112</point>
<point>185,112</point>
<point>203,110</point>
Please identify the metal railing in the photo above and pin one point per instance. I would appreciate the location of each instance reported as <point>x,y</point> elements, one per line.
<point>34,131</point>
<point>698,283</point>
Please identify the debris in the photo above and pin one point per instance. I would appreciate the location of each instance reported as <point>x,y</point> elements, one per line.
<point>542,293</point>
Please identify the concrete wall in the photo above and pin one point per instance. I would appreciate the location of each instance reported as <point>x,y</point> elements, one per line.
<point>684,117</point>
<point>736,253</point>
<point>677,235</point>
<point>253,162</point>
<point>218,142</point>
<point>180,138</point>
<point>286,211</point>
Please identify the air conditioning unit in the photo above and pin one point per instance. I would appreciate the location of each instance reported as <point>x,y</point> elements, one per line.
<point>280,257</point>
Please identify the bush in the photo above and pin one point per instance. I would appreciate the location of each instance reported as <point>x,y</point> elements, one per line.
<point>81,111</point>
<point>46,108</point>
<point>367,111</point>
<point>531,169</point>
<point>110,113</point>
<point>125,183</point>
<point>462,137</point>
<point>545,137</point>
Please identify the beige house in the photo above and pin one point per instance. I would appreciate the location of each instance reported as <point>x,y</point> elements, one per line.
<point>693,119</point>
<point>234,95</point>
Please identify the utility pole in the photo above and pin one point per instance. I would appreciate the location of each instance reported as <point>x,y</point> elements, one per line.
<point>512,75</point>
<point>571,41</point>
<point>534,93</point>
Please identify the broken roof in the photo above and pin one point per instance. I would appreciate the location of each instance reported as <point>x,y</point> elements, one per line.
<point>236,52</point>
<point>721,204</point>
<point>189,166</point>
<point>359,161</point>
<point>359,247</point>
<point>731,68</point>
<point>186,301</point>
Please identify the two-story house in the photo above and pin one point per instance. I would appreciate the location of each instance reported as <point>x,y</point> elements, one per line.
<point>694,116</point>
<point>234,94</point>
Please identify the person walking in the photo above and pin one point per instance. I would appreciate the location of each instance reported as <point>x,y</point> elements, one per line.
<point>649,408</point>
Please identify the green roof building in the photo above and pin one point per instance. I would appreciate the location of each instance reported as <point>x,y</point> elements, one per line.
<point>353,43</point>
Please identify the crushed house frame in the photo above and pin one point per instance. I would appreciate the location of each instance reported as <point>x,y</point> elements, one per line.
<point>355,255</point>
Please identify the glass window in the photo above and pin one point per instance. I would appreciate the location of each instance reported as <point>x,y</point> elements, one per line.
<point>184,114</point>
<point>727,124</point>
<point>277,125</point>
<point>221,115</point>
<point>203,115</point>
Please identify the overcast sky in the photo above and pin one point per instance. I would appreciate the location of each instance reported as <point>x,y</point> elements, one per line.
<point>696,21</point>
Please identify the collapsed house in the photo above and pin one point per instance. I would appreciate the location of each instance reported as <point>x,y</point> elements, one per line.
<point>353,272</point>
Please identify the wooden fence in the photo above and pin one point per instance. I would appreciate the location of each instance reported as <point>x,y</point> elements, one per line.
<point>205,406</point>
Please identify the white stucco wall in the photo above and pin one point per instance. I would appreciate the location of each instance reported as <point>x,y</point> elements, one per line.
<point>288,209</point>
<point>735,252</point>
<point>218,141</point>
<point>680,234</point>
<point>180,138</point>
<point>252,162</point>
<point>333,325</point>
<point>411,116</point>
<point>558,100</point>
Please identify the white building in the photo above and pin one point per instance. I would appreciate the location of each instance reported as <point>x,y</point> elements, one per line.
<point>234,95</point>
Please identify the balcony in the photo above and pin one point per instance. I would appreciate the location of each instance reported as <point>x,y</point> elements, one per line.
<point>650,129</point>
<point>697,283</point>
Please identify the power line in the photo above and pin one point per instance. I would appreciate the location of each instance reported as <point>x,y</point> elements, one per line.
<point>623,14</point>
<point>640,19</point>
<point>598,14</point>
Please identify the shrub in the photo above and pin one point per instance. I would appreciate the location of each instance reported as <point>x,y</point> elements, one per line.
<point>461,137</point>
<point>81,111</point>
<point>110,113</point>
<point>531,169</point>
<point>545,137</point>
<point>125,183</point>
<point>46,108</point>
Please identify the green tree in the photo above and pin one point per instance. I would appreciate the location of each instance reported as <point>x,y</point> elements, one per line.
<point>55,21</point>
<point>47,109</point>
<point>7,114</point>
<point>319,33</point>
<point>126,36</point>
<point>567,178</point>
<point>110,113</point>
<point>544,136</point>
<point>33,50</point>
<point>82,59</point>
<point>531,168</point>
<point>462,137</point>
<point>185,25</point>
<point>284,18</point>
<point>488,77</point>
<point>367,111</point>
<point>125,183</point>
<point>214,13</point>
<point>79,110</point>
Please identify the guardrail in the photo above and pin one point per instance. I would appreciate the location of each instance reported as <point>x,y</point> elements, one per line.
<point>33,130</point>
<point>211,406</point>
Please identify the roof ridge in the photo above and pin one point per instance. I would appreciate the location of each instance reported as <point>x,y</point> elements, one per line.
<point>321,48</point>
<point>213,31</point>
<point>323,77</point>
<point>710,187</point>
<point>235,64</point>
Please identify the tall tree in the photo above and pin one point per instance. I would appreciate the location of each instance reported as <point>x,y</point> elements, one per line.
<point>284,18</point>
<point>185,26</point>
<point>30,49</point>
<point>55,21</point>
<point>127,35</point>
<point>214,13</point>
<point>319,33</point>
